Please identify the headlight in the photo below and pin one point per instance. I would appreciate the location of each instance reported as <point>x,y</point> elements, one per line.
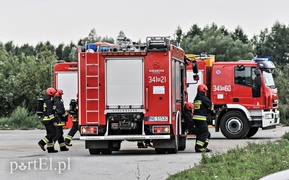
<point>268,116</point>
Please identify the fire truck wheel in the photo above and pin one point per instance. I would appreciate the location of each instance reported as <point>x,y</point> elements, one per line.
<point>94,151</point>
<point>175,141</point>
<point>252,132</point>
<point>160,150</point>
<point>106,151</point>
<point>182,143</point>
<point>234,125</point>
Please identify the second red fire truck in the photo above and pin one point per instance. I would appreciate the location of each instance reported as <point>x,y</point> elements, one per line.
<point>132,92</point>
<point>243,92</point>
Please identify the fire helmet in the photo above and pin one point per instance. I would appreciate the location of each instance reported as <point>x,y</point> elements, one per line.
<point>59,93</point>
<point>50,91</point>
<point>202,88</point>
<point>189,106</point>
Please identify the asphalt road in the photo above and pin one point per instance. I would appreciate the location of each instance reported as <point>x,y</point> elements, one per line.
<point>21,158</point>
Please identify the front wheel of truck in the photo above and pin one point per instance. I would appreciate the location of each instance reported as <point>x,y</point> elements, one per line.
<point>234,125</point>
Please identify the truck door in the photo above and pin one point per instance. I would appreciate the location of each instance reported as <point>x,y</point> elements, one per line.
<point>243,85</point>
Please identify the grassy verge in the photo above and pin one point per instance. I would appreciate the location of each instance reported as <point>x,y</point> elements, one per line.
<point>249,163</point>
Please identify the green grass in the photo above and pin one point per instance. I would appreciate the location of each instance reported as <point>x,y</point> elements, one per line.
<point>248,163</point>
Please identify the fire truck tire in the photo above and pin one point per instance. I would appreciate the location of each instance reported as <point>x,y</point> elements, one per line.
<point>160,151</point>
<point>234,125</point>
<point>94,151</point>
<point>252,132</point>
<point>182,143</point>
<point>106,151</point>
<point>175,144</point>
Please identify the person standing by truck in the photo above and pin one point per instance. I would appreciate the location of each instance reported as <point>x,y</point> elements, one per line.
<point>203,106</point>
<point>73,111</point>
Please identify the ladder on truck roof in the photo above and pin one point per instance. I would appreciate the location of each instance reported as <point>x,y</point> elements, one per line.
<point>92,88</point>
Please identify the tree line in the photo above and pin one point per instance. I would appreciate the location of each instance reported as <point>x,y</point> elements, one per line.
<point>26,70</point>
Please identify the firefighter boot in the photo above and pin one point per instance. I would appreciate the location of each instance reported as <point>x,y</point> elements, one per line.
<point>201,149</point>
<point>67,141</point>
<point>50,148</point>
<point>63,147</point>
<point>42,143</point>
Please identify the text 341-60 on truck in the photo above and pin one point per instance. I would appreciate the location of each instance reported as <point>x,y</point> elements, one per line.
<point>243,92</point>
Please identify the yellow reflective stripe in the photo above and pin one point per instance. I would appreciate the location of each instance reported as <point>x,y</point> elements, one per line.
<point>74,119</point>
<point>48,118</point>
<point>212,108</point>
<point>68,137</point>
<point>200,143</point>
<point>45,140</point>
<point>51,116</point>
<point>50,144</point>
<point>207,140</point>
<point>61,124</point>
<point>197,117</point>
<point>197,104</point>
<point>65,114</point>
<point>62,144</point>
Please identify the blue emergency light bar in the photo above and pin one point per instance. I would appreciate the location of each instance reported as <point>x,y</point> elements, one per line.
<point>260,59</point>
<point>264,63</point>
<point>91,46</point>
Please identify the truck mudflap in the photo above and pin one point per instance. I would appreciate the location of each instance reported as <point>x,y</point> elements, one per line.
<point>125,137</point>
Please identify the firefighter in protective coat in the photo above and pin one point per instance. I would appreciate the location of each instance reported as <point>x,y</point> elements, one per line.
<point>48,120</point>
<point>61,116</point>
<point>188,124</point>
<point>203,106</point>
<point>73,110</point>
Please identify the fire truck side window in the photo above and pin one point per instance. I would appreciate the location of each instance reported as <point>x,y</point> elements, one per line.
<point>243,76</point>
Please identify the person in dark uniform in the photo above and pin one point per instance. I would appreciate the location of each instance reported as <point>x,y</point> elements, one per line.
<point>48,121</point>
<point>73,111</point>
<point>188,124</point>
<point>61,116</point>
<point>203,106</point>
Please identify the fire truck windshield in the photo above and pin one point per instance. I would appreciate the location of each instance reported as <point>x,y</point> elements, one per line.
<point>268,78</point>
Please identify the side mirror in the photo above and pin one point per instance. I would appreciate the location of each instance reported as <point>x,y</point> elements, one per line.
<point>258,81</point>
<point>195,67</point>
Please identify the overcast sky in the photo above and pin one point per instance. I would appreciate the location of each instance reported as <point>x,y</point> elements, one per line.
<point>63,21</point>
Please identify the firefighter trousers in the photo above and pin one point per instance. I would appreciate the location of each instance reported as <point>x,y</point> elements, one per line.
<point>202,135</point>
<point>73,129</point>
<point>50,131</point>
<point>59,135</point>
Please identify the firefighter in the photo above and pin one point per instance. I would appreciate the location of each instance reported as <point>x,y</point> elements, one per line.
<point>203,106</point>
<point>73,110</point>
<point>61,116</point>
<point>188,123</point>
<point>48,121</point>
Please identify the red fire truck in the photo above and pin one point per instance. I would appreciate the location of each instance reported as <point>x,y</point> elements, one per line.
<point>132,92</point>
<point>65,78</point>
<point>243,92</point>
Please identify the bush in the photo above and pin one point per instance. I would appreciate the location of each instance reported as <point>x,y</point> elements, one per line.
<point>284,114</point>
<point>20,119</point>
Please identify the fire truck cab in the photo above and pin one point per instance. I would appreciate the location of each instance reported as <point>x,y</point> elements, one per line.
<point>243,92</point>
<point>132,92</point>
